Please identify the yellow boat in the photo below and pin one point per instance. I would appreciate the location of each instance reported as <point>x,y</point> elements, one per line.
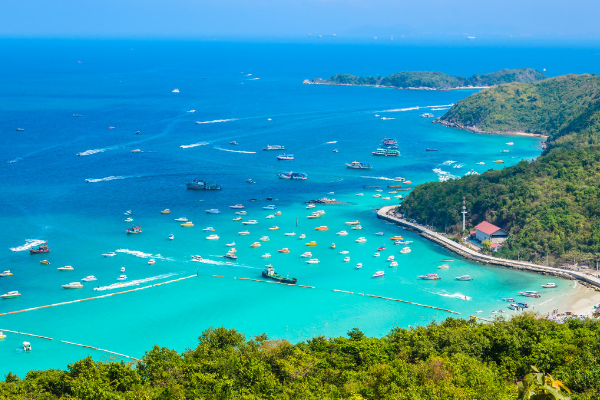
<point>189,223</point>
<point>237,219</point>
<point>46,262</point>
<point>397,238</point>
<point>499,161</point>
<point>273,228</point>
<point>353,222</point>
<point>244,233</point>
<point>255,244</point>
<point>322,228</point>
<point>333,245</point>
<point>311,243</point>
<point>166,211</point>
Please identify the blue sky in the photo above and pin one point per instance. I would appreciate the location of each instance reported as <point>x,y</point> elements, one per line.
<point>298,18</point>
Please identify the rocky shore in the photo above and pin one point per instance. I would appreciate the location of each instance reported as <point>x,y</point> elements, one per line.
<point>475,129</point>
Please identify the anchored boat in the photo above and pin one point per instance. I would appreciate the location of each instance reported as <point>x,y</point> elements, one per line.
<point>269,273</point>
<point>197,184</point>
<point>42,248</point>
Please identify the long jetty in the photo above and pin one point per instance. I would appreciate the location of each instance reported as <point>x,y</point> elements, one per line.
<point>388,214</point>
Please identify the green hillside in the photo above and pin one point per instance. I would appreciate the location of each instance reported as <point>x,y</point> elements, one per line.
<point>436,80</point>
<point>454,360</point>
<point>551,206</point>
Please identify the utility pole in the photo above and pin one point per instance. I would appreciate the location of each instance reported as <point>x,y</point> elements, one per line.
<point>464,212</point>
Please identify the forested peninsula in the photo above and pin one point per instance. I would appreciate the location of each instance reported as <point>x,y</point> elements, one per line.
<point>427,80</point>
<point>550,206</point>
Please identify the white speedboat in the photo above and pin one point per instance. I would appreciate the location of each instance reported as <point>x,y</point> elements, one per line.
<point>213,237</point>
<point>377,195</point>
<point>310,206</point>
<point>549,286</point>
<point>346,259</point>
<point>376,254</point>
<point>264,239</point>
<point>110,254</point>
<point>66,268</point>
<point>122,278</point>
<point>73,285</point>
<point>175,91</point>
<point>306,254</point>
<point>241,212</point>
<point>270,216</point>
<point>320,212</point>
<point>152,261</point>
<point>378,274</point>
<point>209,229</point>
<point>380,234</point>
<point>266,255</point>
<point>344,252</point>
<point>230,244</point>
<point>171,236</point>
<point>128,219</point>
<point>379,190</point>
<point>313,261</point>
<point>237,206</point>
<point>394,264</point>
<point>444,266</point>
<point>302,236</point>
<point>360,194</point>
<point>6,273</point>
<point>361,240</point>
<point>357,227</point>
<point>290,234</point>
<point>89,278</point>
<point>480,163</point>
<point>398,197</point>
<point>342,233</point>
<point>405,250</point>
<point>122,269</point>
<point>182,219</point>
<point>213,211</point>
<point>390,258</point>
<point>359,266</point>
<point>250,222</point>
<point>270,207</point>
<point>464,278</point>
<point>11,295</point>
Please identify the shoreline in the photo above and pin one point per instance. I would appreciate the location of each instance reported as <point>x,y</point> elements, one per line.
<point>481,131</point>
<point>309,82</point>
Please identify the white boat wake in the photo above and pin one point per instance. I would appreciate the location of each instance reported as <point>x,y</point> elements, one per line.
<point>416,108</point>
<point>108,178</point>
<point>253,79</point>
<point>225,263</point>
<point>440,109</point>
<point>379,177</point>
<point>216,120</point>
<point>333,141</point>
<point>444,176</point>
<point>141,254</point>
<point>136,282</point>
<point>236,151</point>
<point>385,118</point>
<point>90,152</point>
<point>29,243</point>
<point>459,296</point>
<point>187,146</point>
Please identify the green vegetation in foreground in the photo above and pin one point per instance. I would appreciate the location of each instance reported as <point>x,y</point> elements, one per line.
<point>550,206</point>
<point>436,80</point>
<point>455,359</point>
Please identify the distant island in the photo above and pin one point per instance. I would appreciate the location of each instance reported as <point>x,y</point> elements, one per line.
<point>550,206</point>
<point>427,80</point>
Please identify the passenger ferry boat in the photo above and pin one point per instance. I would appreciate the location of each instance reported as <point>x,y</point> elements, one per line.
<point>134,229</point>
<point>269,273</point>
<point>358,165</point>
<point>270,207</point>
<point>530,293</point>
<point>429,277</point>
<point>378,274</point>
<point>549,286</point>
<point>203,185</point>
<point>293,175</point>
<point>386,152</point>
<point>285,157</point>
<point>42,248</point>
<point>464,278</point>
<point>426,115</point>
<point>237,206</point>
<point>273,147</point>
<point>73,285</point>
<point>213,211</point>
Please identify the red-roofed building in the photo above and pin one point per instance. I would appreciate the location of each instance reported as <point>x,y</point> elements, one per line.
<point>487,231</point>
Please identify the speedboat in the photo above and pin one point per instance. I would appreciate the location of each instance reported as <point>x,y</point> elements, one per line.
<point>319,212</point>
<point>128,212</point>
<point>151,261</point>
<point>376,255</point>
<point>255,244</point>
<point>429,277</point>
<point>360,194</point>
<point>285,250</point>
<point>361,240</point>
<point>357,222</point>
<point>386,198</point>
<point>321,228</point>
<point>549,286</point>
<point>166,211</point>
<point>403,242</point>
<point>209,229</point>
<point>250,181</point>
<point>89,278</point>
<point>313,261</point>
<point>480,163</point>
<point>308,207</point>
<point>306,254</point>
<point>237,219</point>
<point>274,228</point>
<point>313,216</point>
<point>380,234</point>
<point>264,239</point>
<point>379,190</point>
<point>344,252</point>
<point>122,278</point>
<point>278,213</point>
<point>270,207</point>
<point>136,151</point>
<point>394,264</point>
<point>250,222</point>
<point>397,238</point>
<point>342,233</point>
<point>189,223</point>
<point>45,262</point>
<point>302,236</point>
<point>212,237</point>
<point>241,212</point>
<point>346,259</point>
<point>66,268</point>
<point>270,216</point>
<point>122,269</point>
<point>73,285</point>
<point>530,293</point>
<point>230,256</point>
<point>175,91</point>
<point>357,227</point>
<point>290,234</point>
<point>213,211</point>
<point>110,254</point>
<point>244,233</point>
<point>405,250</point>
<point>444,266</point>
<point>377,195</point>
<point>266,255</point>
<point>181,219</point>
<point>171,236</point>
<point>464,278</point>
<point>382,248</point>
<point>197,258</point>
<point>391,258</point>
<point>311,243</point>
<point>237,206</point>
<point>11,295</point>
<point>378,274</point>
<point>128,219</point>
<point>6,273</point>
<point>230,244</point>
<point>359,266</point>
<point>233,142</point>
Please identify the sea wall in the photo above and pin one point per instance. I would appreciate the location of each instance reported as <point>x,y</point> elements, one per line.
<point>388,214</point>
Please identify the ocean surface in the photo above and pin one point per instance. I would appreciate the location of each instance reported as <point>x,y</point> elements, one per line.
<point>252,94</point>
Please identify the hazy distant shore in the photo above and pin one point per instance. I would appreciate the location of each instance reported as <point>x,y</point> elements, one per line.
<point>309,82</point>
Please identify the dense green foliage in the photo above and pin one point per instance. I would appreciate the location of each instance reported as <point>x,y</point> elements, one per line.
<point>456,359</point>
<point>550,206</point>
<point>437,80</point>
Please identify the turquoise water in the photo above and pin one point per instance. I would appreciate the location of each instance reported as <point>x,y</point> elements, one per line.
<point>129,85</point>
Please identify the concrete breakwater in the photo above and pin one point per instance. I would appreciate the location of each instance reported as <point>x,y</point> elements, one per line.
<point>388,214</point>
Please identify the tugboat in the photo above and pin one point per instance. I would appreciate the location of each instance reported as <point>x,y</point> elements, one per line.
<point>134,229</point>
<point>42,248</point>
<point>203,185</point>
<point>269,273</point>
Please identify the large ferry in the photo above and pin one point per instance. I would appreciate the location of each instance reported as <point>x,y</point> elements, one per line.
<point>203,185</point>
<point>386,152</point>
<point>42,248</point>
<point>274,147</point>
<point>286,157</point>
<point>293,175</point>
<point>269,273</point>
<point>358,165</point>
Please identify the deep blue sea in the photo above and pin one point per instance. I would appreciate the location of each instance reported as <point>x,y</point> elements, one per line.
<point>251,93</point>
